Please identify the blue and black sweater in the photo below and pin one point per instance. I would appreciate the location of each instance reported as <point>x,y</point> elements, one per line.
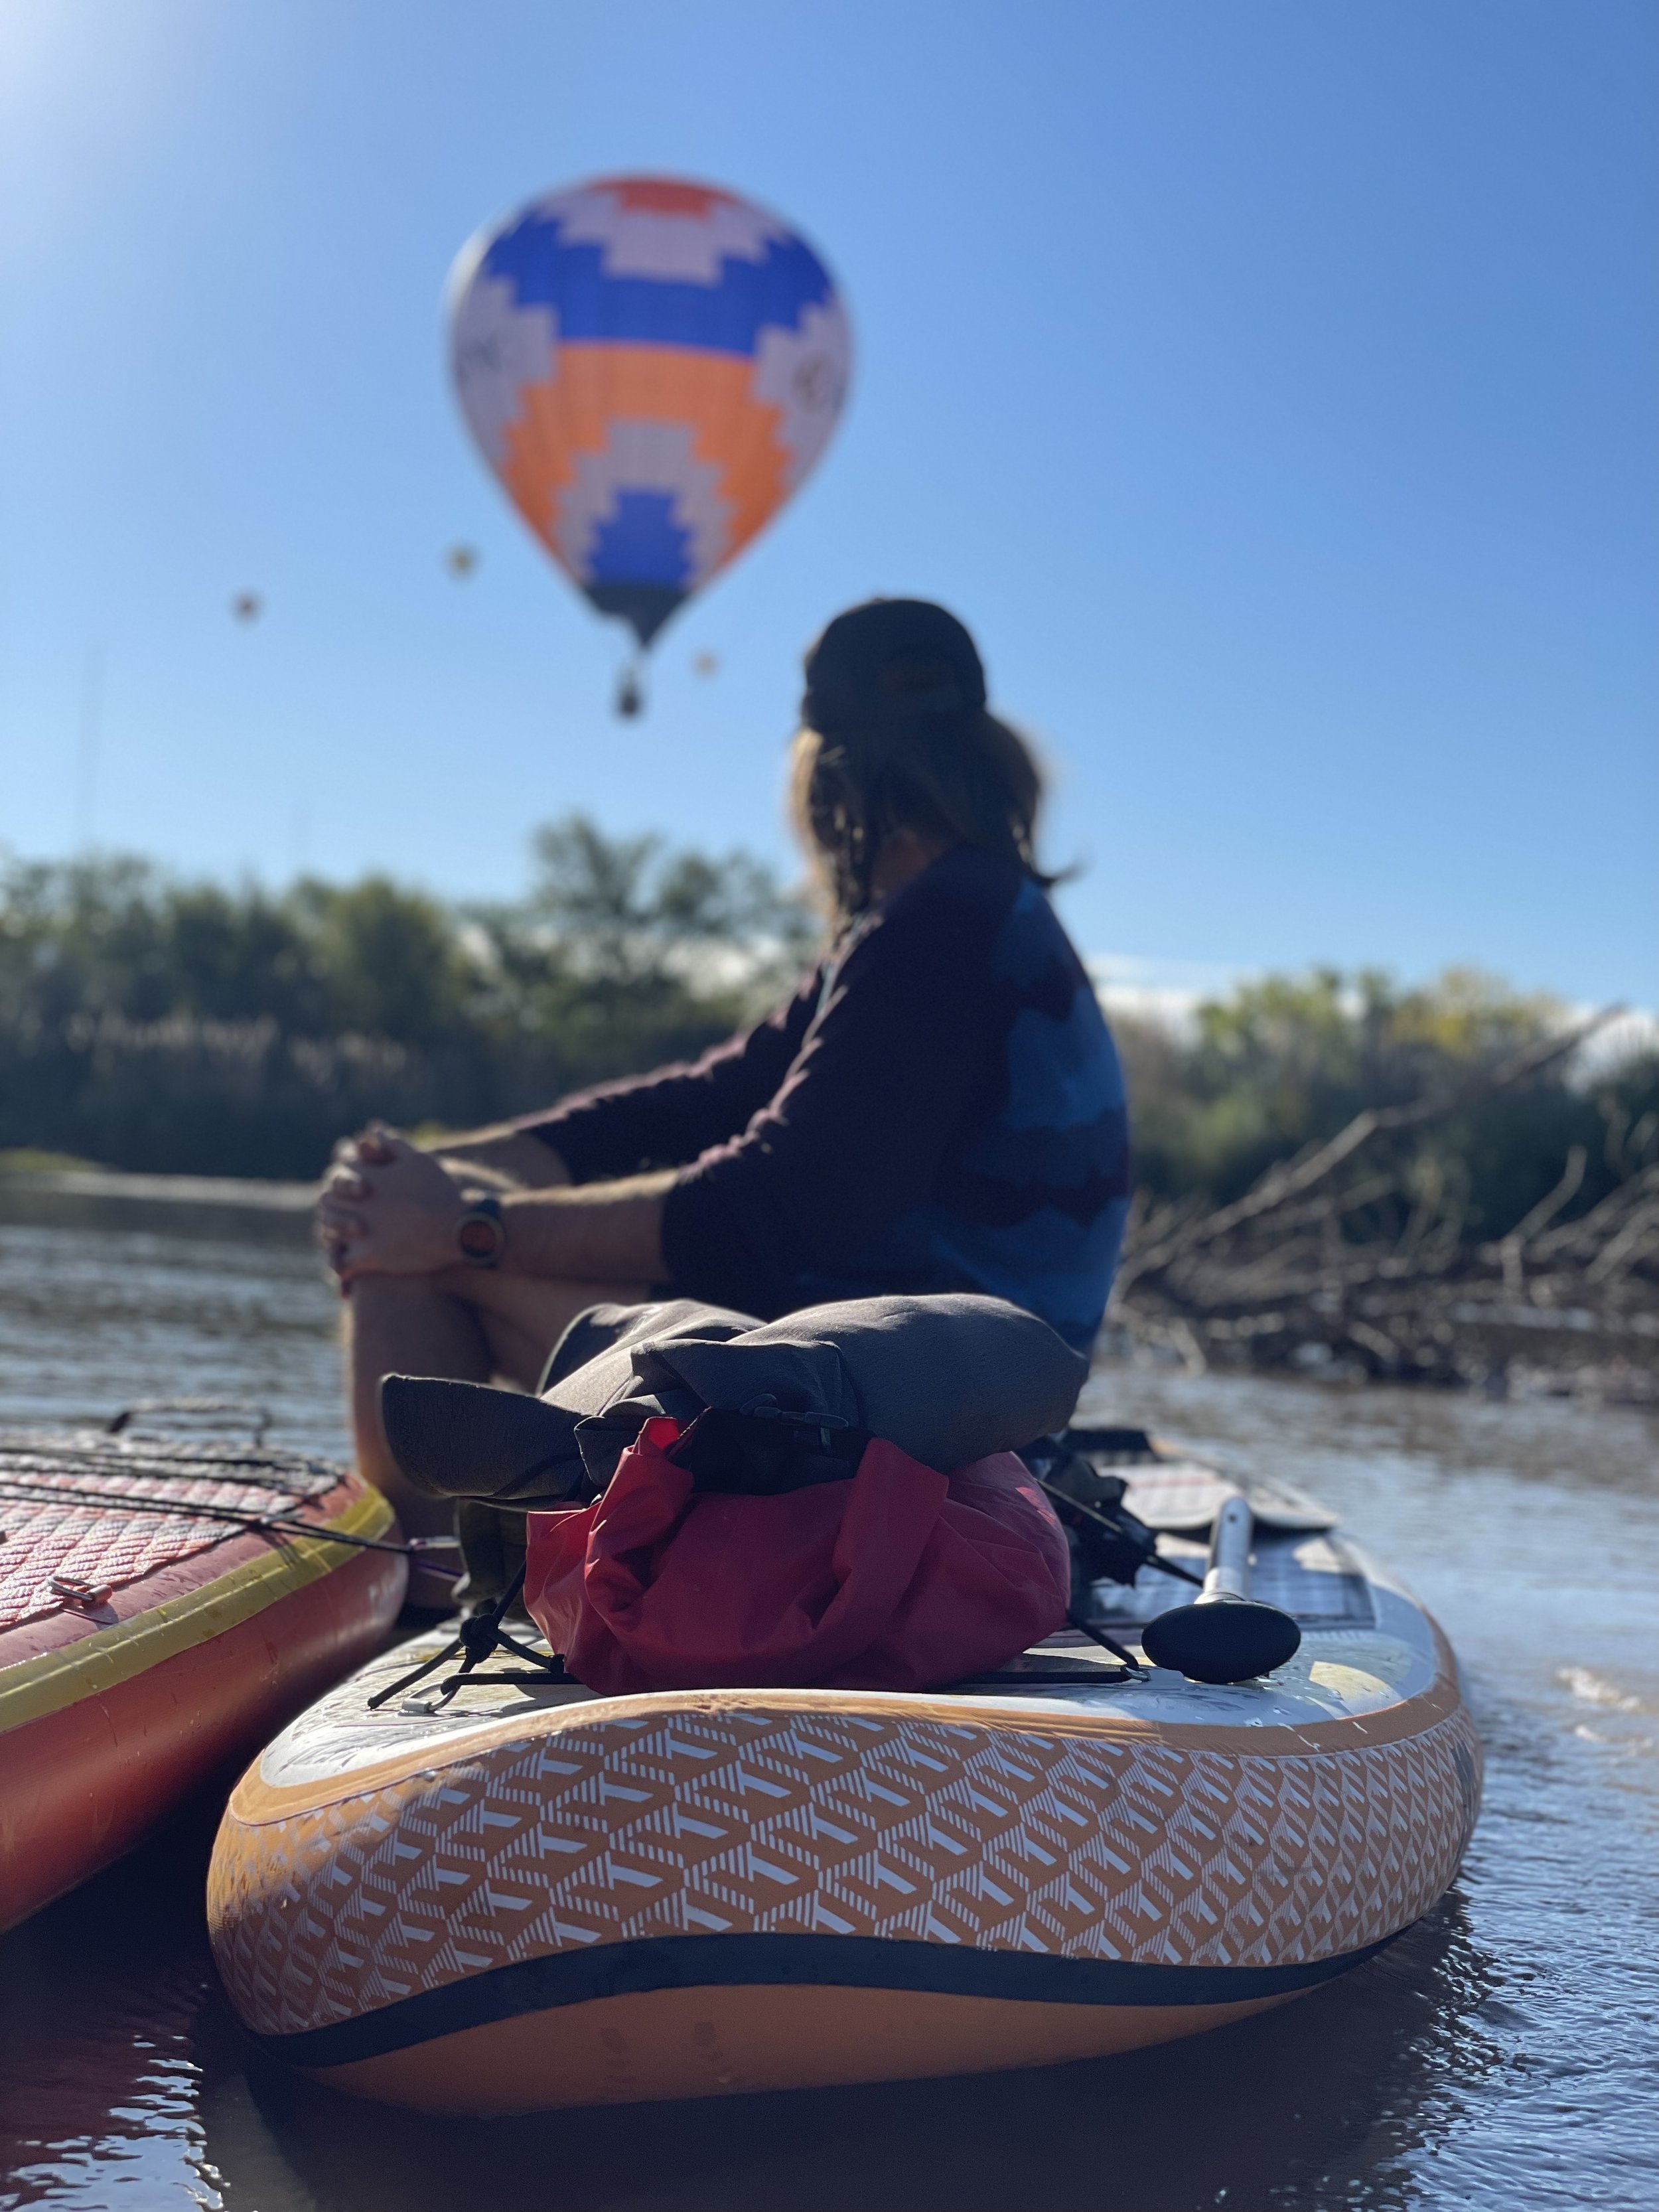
<point>939,1107</point>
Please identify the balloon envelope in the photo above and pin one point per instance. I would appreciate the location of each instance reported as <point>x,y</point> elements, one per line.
<point>651,367</point>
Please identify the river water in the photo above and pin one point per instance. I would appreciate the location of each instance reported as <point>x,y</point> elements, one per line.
<point>1499,2057</point>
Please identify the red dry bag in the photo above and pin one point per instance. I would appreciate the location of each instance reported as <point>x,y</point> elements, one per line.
<point>900,1578</point>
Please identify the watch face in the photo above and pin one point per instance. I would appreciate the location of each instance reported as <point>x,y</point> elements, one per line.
<point>479,1239</point>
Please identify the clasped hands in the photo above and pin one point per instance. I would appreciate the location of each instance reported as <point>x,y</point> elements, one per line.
<point>388,1208</point>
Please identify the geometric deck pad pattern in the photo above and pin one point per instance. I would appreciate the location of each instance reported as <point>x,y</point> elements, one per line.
<point>694,1824</point>
<point>84,1523</point>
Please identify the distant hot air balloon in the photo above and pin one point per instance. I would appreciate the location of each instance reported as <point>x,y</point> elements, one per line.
<point>651,368</point>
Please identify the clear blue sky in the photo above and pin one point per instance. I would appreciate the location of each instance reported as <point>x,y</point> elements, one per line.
<point>1269,382</point>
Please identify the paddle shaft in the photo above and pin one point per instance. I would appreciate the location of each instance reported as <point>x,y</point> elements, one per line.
<point>1228,1572</point>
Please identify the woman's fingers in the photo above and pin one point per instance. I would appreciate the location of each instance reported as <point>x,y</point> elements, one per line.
<point>335,1222</point>
<point>378,1146</point>
<point>348,1253</point>
<point>347,1148</point>
<point>341,1229</point>
<point>387,1208</point>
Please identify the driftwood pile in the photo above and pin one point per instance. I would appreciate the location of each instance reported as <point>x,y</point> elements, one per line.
<point>1280,1279</point>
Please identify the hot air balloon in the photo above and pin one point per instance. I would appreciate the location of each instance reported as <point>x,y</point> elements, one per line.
<point>651,367</point>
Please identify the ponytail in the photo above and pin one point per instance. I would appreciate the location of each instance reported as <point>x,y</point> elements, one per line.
<point>962,778</point>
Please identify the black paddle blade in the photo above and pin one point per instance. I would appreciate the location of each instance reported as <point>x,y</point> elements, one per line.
<point>1230,1639</point>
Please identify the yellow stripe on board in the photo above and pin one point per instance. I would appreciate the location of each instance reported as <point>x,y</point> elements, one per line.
<point>46,1684</point>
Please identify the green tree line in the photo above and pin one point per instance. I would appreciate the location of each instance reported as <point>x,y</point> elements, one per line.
<point>185,1027</point>
<point>150,1023</point>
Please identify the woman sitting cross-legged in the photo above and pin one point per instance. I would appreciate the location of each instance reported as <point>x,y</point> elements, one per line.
<point>939,1108</point>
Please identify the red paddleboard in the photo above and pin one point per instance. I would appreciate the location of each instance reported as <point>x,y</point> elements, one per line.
<point>149,1637</point>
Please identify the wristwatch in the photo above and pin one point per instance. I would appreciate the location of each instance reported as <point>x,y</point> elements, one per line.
<point>481,1233</point>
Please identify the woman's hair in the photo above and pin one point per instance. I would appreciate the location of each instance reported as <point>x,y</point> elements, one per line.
<point>962,777</point>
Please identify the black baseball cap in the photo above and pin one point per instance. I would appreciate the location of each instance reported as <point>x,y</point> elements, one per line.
<point>890,659</point>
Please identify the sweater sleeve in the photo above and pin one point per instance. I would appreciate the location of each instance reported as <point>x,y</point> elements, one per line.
<point>670,1116</point>
<point>904,1040</point>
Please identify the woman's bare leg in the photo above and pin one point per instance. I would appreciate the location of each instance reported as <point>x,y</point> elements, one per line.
<point>465,1322</point>
<point>406,1324</point>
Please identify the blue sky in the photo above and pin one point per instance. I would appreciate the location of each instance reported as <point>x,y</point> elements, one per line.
<point>1268,381</point>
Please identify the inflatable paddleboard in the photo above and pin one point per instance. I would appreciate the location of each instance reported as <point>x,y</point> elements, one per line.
<point>514,1895</point>
<point>148,1636</point>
